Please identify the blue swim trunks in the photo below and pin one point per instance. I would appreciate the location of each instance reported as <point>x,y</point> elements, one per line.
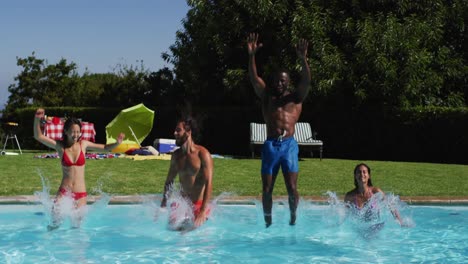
<point>276,153</point>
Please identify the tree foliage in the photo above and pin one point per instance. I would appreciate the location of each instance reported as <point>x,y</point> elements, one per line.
<point>163,88</point>
<point>396,53</point>
<point>362,53</point>
<point>42,85</point>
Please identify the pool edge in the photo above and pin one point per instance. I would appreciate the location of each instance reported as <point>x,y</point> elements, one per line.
<point>135,199</point>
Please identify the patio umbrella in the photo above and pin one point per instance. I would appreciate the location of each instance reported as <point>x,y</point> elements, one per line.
<point>136,122</point>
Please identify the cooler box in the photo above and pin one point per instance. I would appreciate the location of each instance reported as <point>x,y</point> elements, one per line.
<point>164,145</point>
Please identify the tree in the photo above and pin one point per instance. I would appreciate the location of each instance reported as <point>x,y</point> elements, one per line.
<point>128,87</point>
<point>42,84</point>
<point>92,87</point>
<point>163,88</point>
<point>391,53</point>
<point>210,58</point>
<point>406,55</point>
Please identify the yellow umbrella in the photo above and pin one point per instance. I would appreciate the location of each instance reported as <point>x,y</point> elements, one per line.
<point>136,122</point>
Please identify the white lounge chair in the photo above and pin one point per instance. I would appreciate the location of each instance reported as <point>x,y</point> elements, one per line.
<point>303,135</point>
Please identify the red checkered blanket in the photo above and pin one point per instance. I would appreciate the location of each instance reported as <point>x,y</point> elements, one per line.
<point>54,131</point>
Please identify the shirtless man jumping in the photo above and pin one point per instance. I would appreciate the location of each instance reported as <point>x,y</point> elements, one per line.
<point>281,109</point>
<point>194,165</point>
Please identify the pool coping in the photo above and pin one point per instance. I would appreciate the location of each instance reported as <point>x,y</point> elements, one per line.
<point>136,199</point>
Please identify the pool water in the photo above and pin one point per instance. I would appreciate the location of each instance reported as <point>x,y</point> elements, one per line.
<point>234,234</point>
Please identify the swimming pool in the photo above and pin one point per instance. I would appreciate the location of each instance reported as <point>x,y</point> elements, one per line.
<point>233,234</point>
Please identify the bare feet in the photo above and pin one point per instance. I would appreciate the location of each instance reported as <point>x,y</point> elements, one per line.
<point>267,220</point>
<point>52,227</point>
<point>293,219</point>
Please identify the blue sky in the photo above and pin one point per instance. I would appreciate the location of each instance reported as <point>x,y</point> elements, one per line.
<point>94,34</point>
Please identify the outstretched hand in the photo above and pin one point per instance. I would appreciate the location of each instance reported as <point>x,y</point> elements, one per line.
<point>406,224</point>
<point>301,48</point>
<point>200,219</point>
<point>120,137</point>
<point>252,45</point>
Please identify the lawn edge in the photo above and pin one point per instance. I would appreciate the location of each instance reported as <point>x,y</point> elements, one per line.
<point>137,199</point>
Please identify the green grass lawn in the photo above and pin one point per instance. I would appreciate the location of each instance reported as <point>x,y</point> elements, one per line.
<point>21,175</point>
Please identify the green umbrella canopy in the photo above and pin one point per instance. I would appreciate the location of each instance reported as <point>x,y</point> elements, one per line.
<point>136,122</point>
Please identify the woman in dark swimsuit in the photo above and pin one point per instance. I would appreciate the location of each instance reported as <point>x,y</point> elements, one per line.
<point>71,150</point>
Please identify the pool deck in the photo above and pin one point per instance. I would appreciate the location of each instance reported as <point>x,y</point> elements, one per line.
<point>135,199</point>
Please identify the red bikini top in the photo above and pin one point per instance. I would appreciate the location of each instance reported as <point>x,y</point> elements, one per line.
<point>79,162</point>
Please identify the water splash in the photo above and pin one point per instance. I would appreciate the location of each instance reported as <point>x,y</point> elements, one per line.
<point>394,204</point>
<point>335,213</point>
<point>372,211</point>
<point>371,218</point>
<point>45,199</point>
<point>259,211</point>
<point>365,221</point>
<point>96,210</point>
<point>222,196</point>
<point>43,196</point>
<point>180,208</point>
<point>59,212</point>
<point>153,203</point>
<point>214,210</point>
<point>154,211</point>
<point>103,198</point>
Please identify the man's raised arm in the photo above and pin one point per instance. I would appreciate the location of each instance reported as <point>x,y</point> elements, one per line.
<point>304,85</point>
<point>255,80</point>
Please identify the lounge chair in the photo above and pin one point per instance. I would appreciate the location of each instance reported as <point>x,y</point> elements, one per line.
<point>303,135</point>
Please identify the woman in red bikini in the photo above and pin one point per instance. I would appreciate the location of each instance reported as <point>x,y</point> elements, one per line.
<point>71,150</point>
<point>364,190</point>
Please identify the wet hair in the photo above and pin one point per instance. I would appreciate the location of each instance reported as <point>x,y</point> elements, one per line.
<point>66,127</point>
<point>190,124</point>
<point>369,182</point>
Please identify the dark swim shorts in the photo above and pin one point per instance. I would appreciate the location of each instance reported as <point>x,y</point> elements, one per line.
<point>276,153</point>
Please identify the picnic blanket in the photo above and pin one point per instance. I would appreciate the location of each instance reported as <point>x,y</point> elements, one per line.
<point>54,130</point>
<point>149,157</point>
<point>87,156</point>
